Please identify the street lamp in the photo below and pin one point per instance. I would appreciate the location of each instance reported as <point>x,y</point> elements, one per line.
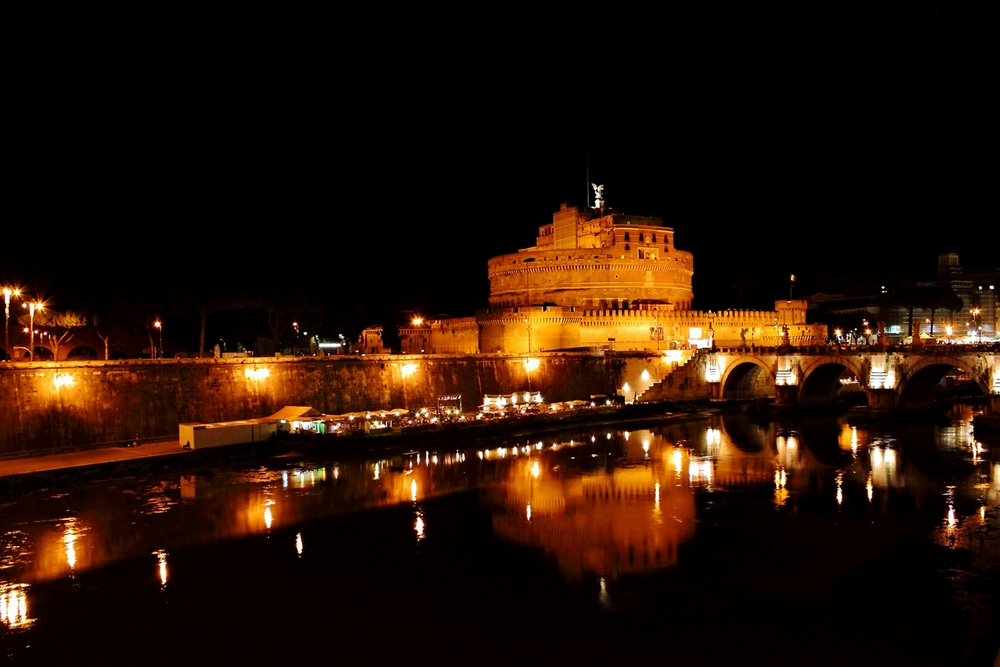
<point>159,327</point>
<point>32,307</point>
<point>7,293</point>
<point>975,322</point>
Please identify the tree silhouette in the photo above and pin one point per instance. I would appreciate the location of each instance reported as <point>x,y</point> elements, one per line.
<point>909,298</point>
<point>62,325</point>
<point>940,298</point>
<point>928,298</point>
<point>205,300</point>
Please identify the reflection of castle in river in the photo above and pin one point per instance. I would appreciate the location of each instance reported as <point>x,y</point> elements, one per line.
<point>598,278</point>
<point>624,520</point>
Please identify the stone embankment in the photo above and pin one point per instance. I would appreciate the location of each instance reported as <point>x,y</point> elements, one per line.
<point>51,406</point>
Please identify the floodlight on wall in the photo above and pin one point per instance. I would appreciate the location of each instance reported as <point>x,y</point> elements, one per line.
<point>674,356</point>
<point>784,378</point>
<point>881,376</point>
<point>406,370</point>
<point>713,373</point>
<point>256,374</point>
<point>63,380</point>
<point>531,364</point>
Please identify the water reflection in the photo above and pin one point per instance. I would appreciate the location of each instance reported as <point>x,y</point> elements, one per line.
<point>620,518</point>
<point>14,605</point>
<point>161,567</point>
<point>598,503</point>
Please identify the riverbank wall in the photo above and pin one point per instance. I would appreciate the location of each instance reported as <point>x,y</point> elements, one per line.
<point>47,406</point>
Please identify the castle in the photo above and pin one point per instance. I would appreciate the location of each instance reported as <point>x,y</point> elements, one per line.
<point>598,279</point>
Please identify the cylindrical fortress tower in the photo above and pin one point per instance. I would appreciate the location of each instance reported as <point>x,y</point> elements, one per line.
<point>596,260</point>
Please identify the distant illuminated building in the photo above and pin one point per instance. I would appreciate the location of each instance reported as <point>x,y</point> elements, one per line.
<point>595,277</point>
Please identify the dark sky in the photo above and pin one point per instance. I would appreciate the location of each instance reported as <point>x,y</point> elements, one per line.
<point>391,182</point>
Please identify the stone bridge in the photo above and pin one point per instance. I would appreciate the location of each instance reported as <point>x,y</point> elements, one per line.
<point>891,377</point>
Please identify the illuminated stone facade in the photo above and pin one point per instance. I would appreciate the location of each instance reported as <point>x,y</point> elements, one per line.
<point>598,261</point>
<point>599,280</point>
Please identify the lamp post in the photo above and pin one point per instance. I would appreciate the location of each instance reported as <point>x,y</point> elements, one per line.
<point>159,327</point>
<point>32,307</point>
<point>7,293</point>
<point>975,323</point>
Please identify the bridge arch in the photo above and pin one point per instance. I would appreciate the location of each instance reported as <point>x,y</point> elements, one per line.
<point>916,389</point>
<point>747,377</point>
<point>820,379</point>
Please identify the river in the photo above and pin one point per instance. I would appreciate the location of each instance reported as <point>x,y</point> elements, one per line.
<point>716,540</point>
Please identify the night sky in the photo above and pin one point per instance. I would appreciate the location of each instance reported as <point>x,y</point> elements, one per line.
<point>379,190</point>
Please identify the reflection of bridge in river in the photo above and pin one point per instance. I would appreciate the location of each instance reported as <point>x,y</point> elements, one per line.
<point>890,377</point>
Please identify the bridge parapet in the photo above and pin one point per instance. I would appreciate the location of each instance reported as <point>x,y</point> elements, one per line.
<point>890,376</point>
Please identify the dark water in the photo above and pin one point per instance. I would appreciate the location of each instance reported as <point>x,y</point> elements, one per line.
<point>716,541</point>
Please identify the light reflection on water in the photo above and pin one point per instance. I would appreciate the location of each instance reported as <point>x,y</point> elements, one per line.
<point>14,605</point>
<point>631,511</point>
<point>598,504</point>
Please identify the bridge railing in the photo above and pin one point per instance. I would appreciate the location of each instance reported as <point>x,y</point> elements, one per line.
<point>936,349</point>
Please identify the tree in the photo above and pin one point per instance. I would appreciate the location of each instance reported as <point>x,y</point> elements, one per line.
<point>200,299</point>
<point>928,298</point>
<point>909,298</point>
<point>61,326</point>
<point>940,298</point>
<point>282,311</point>
<point>107,342</point>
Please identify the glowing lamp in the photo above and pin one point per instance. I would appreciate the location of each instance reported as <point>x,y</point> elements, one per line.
<point>784,378</point>
<point>712,373</point>
<point>256,374</point>
<point>672,356</point>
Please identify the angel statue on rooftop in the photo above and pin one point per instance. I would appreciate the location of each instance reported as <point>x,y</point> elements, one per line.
<point>598,195</point>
